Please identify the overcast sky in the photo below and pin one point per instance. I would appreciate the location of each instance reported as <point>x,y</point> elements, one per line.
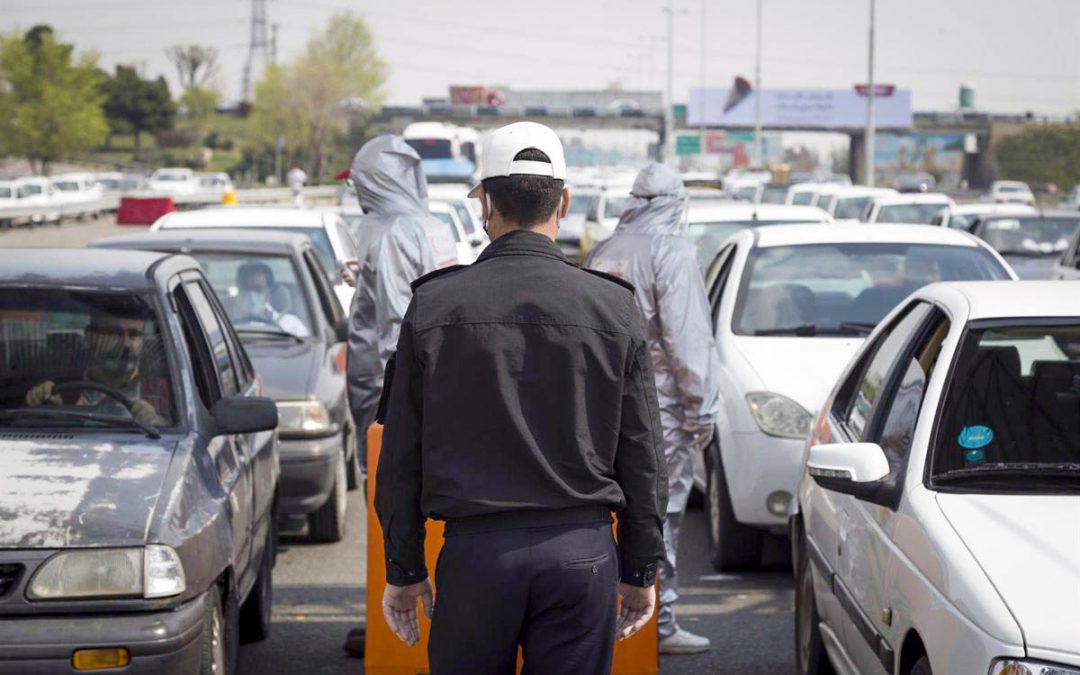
<point>1020,57</point>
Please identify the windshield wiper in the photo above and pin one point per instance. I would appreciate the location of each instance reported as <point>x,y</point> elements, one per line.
<point>269,333</point>
<point>1025,253</point>
<point>51,413</point>
<point>1067,471</point>
<point>863,327</point>
<point>811,330</point>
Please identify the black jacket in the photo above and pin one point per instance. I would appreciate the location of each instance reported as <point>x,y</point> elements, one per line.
<point>521,393</point>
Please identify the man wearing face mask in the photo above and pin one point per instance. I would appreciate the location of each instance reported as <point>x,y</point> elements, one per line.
<point>648,250</point>
<point>115,345</point>
<point>255,282</point>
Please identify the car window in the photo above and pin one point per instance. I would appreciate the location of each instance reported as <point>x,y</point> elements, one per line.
<point>261,293</point>
<point>871,379</point>
<point>348,242</point>
<point>202,361</point>
<point>321,241</point>
<point>222,362</point>
<point>910,213</point>
<point>328,301</point>
<point>66,336</point>
<point>709,236</point>
<point>802,198</point>
<point>1029,236</point>
<point>465,216</point>
<point>719,273</point>
<point>448,220</point>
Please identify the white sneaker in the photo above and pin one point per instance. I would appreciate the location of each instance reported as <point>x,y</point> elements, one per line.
<point>684,642</point>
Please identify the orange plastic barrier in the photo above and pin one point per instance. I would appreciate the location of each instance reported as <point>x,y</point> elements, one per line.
<point>142,210</point>
<point>385,654</point>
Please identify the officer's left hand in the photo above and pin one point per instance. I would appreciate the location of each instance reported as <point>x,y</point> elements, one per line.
<point>144,412</point>
<point>399,609</point>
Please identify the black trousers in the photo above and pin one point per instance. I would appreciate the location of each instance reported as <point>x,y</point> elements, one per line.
<point>551,590</point>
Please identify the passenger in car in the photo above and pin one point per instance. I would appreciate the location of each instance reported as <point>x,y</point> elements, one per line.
<point>256,283</point>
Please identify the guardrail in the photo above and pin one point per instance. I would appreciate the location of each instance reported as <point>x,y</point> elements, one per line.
<point>59,211</point>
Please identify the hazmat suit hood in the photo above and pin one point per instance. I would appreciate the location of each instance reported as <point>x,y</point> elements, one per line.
<point>657,202</point>
<point>388,177</point>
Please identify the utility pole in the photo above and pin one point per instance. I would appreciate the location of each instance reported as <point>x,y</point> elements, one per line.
<point>669,109</point>
<point>258,46</point>
<point>273,43</point>
<point>704,65</point>
<point>869,137</point>
<point>759,137</point>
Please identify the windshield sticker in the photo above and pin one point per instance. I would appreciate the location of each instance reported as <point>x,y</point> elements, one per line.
<point>975,437</point>
<point>974,456</point>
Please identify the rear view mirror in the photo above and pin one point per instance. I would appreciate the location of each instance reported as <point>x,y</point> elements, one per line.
<point>856,469</point>
<point>244,415</point>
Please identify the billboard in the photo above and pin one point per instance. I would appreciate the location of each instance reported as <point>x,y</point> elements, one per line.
<point>941,154</point>
<point>826,109</point>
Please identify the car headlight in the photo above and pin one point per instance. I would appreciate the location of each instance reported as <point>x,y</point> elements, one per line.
<point>151,572</point>
<point>302,418</point>
<point>778,415</point>
<point>1025,667</point>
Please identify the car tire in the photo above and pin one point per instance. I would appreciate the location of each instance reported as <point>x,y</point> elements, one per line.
<point>921,667</point>
<point>732,545</point>
<point>327,524</point>
<point>255,612</point>
<point>810,655</point>
<point>352,468</point>
<point>219,648</point>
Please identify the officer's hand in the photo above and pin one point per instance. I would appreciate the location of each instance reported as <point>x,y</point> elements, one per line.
<point>144,412</point>
<point>399,609</point>
<point>42,394</point>
<point>350,271</point>
<point>635,610</point>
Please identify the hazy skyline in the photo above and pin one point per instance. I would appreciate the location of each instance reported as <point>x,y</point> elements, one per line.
<point>1017,60</point>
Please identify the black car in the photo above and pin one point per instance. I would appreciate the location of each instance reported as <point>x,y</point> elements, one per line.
<point>1031,244</point>
<point>286,313</point>
<point>140,468</point>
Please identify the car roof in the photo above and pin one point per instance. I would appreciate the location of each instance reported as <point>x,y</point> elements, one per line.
<point>979,208</point>
<point>439,206</point>
<point>913,198</point>
<point>73,267</point>
<point>862,191</point>
<point>1006,299</point>
<point>709,211</point>
<point>250,240</point>
<point>249,216</point>
<point>840,233</point>
<point>448,190</point>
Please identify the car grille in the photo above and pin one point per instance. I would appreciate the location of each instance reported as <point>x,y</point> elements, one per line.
<point>9,577</point>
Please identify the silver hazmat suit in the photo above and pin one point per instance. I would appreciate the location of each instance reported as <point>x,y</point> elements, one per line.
<point>400,241</point>
<point>649,250</point>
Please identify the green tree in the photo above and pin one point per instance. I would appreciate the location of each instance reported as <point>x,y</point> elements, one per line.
<point>1040,155</point>
<point>312,102</point>
<point>134,105</point>
<point>50,101</point>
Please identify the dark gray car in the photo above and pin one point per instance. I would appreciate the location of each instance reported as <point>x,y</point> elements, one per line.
<point>1031,244</point>
<point>140,468</point>
<point>286,313</point>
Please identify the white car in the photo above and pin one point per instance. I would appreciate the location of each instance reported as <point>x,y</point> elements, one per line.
<point>936,525</point>
<point>173,181</point>
<point>603,215</point>
<point>570,227</point>
<point>330,236</point>
<point>746,189</point>
<point>79,195</point>
<point>914,208</point>
<point>709,224</point>
<point>963,216</point>
<point>215,182</point>
<point>456,195</point>
<point>446,214</point>
<point>1011,192</point>
<point>791,304</point>
<point>802,194</point>
<point>116,182</point>
<point>38,193</point>
<point>848,202</point>
<point>1068,266</point>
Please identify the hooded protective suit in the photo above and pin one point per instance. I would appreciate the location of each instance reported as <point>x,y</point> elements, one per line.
<point>399,241</point>
<point>648,249</point>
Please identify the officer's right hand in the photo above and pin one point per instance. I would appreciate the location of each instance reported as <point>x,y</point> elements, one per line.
<point>42,394</point>
<point>399,609</point>
<point>635,610</point>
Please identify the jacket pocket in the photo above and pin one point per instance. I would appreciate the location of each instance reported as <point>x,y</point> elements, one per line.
<point>586,563</point>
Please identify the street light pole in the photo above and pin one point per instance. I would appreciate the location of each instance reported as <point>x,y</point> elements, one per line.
<point>759,138</point>
<point>869,137</point>
<point>669,111</point>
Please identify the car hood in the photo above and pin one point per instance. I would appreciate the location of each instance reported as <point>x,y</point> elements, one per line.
<point>804,369</point>
<point>1029,549</point>
<point>61,491</point>
<point>1032,268</point>
<point>284,365</point>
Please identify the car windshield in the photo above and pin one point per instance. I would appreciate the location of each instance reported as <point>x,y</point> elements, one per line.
<point>962,221</point>
<point>66,185</point>
<point>910,213</point>
<point>260,293</point>
<point>614,206</point>
<point>430,148</point>
<point>708,237</point>
<point>1011,419</point>
<point>5,192</point>
<point>774,194</point>
<point>82,359</point>
<point>30,189</point>
<point>579,203</point>
<point>1012,188</point>
<point>850,208</point>
<point>1029,236</point>
<point>170,177</point>
<point>802,198</point>
<point>746,193</point>
<point>448,220</point>
<point>109,184</point>
<point>324,250</point>
<point>845,289</point>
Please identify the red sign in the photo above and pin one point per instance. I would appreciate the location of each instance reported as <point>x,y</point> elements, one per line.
<point>879,89</point>
<point>467,95</point>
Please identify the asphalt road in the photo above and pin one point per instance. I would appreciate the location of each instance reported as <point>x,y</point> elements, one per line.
<point>71,234</point>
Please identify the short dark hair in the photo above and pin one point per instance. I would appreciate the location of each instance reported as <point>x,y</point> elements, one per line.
<point>525,200</point>
<point>255,269</point>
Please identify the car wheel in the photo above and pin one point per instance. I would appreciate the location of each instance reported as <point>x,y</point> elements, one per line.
<point>219,635</point>
<point>255,612</point>
<point>732,545</point>
<point>352,468</point>
<point>922,667</point>
<point>328,523</point>
<point>810,655</point>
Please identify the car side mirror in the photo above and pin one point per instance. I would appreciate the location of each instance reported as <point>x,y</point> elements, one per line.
<point>244,415</point>
<point>341,329</point>
<point>856,469</point>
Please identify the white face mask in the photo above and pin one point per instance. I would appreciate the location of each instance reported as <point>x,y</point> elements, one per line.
<point>253,303</point>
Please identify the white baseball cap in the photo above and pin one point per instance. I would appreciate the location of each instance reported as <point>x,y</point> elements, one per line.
<point>502,145</point>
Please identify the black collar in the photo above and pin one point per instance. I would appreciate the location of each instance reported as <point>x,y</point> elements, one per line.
<point>523,242</point>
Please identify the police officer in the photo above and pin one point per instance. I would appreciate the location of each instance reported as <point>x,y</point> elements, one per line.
<point>401,241</point>
<point>648,250</point>
<point>522,411</point>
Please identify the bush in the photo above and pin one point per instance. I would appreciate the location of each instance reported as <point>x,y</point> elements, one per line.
<point>1041,155</point>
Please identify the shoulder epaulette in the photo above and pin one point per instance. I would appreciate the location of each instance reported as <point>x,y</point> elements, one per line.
<point>417,283</point>
<point>611,277</point>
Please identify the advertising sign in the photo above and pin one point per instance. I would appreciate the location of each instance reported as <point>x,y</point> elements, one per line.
<point>809,109</point>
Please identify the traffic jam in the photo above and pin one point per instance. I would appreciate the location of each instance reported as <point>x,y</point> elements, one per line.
<point>677,377</point>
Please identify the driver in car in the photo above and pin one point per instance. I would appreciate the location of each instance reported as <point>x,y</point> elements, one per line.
<point>115,345</point>
<point>256,282</point>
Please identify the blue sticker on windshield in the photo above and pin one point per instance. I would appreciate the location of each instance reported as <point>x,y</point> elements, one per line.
<point>975,437</point>
<point>974,456</point>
